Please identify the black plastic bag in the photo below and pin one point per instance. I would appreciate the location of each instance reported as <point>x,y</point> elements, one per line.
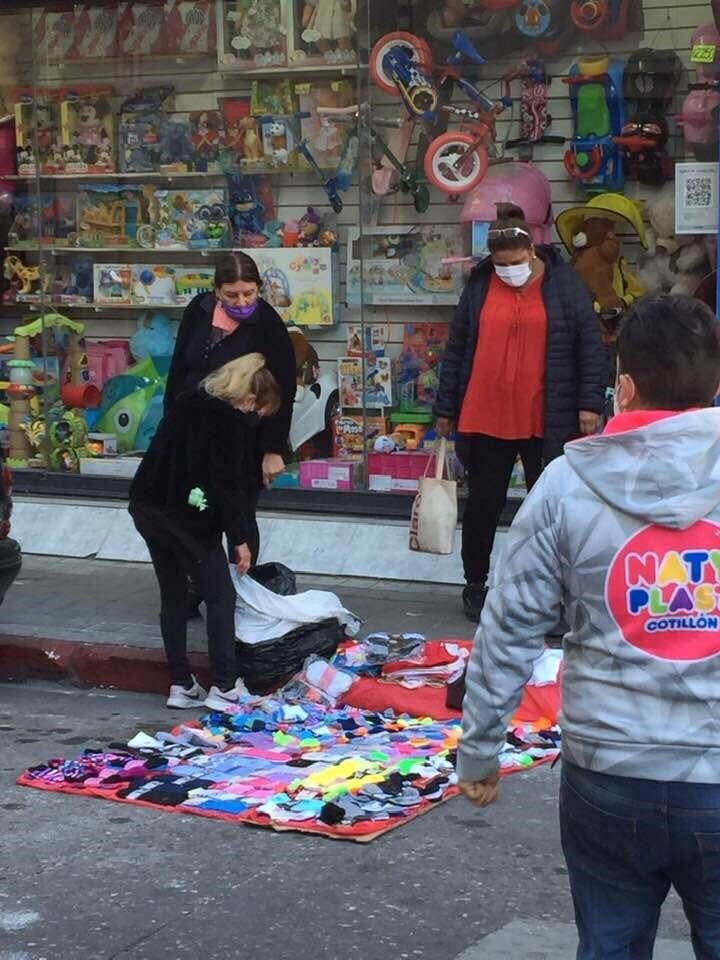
<point>268,665</point>
<point>276,577</point>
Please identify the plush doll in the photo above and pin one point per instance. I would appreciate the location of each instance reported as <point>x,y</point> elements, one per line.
<point>154,336</point>
<point>674,264</point>
<point>589,234</point>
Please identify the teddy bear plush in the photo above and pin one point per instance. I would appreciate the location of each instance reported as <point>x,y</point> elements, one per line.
<point>673,263</point>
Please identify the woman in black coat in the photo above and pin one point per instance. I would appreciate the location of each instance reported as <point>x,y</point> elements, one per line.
<point>230,323</point>
<point>520,378</point>
<point>222,326</point>
<point>196,483</point>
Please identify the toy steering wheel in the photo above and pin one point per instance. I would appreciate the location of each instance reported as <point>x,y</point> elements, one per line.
<point>589,14</point>
<point>586,171</point>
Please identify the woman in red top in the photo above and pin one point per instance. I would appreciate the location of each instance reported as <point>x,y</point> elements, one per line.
<point>524,373</point>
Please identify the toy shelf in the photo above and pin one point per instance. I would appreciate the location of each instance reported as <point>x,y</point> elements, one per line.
<point>74,251</point>
<point>157,175</point>
<point>60,305</point>
<point>309,70</point>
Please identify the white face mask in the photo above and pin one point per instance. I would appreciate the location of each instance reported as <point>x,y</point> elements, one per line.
<point>516,275</point>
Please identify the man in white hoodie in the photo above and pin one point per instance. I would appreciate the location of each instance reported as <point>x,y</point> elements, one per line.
<point>622,533</point>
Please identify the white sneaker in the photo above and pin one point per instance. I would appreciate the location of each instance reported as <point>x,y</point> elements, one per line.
<point>182,698</point>
<point>218,699</point>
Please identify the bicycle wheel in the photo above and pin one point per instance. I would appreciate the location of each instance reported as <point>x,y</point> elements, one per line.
<point>441,163</point>
<point>417,50</point>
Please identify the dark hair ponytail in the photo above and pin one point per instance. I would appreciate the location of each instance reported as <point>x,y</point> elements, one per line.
<point>510,215</point>
<point>232,267</point>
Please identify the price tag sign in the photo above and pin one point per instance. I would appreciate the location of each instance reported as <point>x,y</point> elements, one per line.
<point>703,53</point>
<point>301,88</point>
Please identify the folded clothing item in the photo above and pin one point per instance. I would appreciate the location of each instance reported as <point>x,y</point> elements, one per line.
<point>438,664</point>
<point>388,647</point>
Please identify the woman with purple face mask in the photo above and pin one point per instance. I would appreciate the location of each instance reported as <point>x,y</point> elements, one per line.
<point>222,326</point>
<point>524,372</point>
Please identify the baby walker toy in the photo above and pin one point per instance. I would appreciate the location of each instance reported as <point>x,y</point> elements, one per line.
<point>594,159</point>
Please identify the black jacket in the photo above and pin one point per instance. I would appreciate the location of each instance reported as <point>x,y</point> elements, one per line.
<point>263,332</point>
<point>576,364</point>
<point>205,443</point>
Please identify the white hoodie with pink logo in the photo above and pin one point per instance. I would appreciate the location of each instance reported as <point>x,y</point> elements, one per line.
<point>623,534</point>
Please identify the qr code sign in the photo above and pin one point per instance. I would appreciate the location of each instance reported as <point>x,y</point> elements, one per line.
<point>698,191</point>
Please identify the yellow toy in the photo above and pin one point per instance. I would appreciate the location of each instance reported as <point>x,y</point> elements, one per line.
<point>14,267</point>
<point>408,435</point>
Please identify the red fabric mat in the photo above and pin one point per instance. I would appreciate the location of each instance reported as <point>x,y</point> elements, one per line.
<point>369,693</point>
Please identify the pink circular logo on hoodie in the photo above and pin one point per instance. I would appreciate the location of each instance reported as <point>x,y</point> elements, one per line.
<point>663,591</point>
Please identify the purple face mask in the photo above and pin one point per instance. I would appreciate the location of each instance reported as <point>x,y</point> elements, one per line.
<point>240,313</point>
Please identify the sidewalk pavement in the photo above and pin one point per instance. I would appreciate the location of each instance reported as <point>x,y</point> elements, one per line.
<point>96,622</point>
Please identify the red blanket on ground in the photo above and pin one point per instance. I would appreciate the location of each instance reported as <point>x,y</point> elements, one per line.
<point>369,693</point>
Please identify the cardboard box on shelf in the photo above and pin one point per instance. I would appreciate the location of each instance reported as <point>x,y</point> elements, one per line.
<point>403,265</point>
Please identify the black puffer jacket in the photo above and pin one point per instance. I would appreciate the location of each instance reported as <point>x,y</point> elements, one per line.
<point>576,366</point>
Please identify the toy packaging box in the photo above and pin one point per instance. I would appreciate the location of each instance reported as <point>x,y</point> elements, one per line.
<point>71,281</point>
<point>272,98</point>
<point>113,283</point>
<point>87,132</point>
<point>423,348</point>
<point>54,33</point>
<point>301,284</point>
<point>252,33</point>
<point>191,281</point>
<point>142,29</point>
<point>378,386</point>
<point>191,219</point>
<point>95,32</point>
<point>34,220</point>
<point>241,143</point>
<point>375,338</point>
<point>322,32</point>
<point>190,26</point>
<point>206,136</point>
<point>403,265</point>
<point>330,474</point>
<point>138,283</point>
<point>148,135</point>
<point>351,435</point>
<point>38,118</point>
<point>327,140</point>
<point>153,284</point>
<point>397,472</point>
<point>112,216</point>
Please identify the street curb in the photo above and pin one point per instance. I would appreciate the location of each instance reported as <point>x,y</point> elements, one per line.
<point>116,666</point>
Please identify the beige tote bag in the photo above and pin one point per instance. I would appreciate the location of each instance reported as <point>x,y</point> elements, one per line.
<point>434,514</point>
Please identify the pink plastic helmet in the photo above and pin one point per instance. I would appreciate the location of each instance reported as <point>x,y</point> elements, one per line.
<point>698,123</point>
<point>707,35</point>
<point>520,183</point>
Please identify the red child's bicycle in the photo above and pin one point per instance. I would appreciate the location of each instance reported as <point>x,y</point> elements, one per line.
<point>455,160</point>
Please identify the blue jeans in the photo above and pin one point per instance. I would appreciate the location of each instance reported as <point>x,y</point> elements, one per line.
<point>626,842</point>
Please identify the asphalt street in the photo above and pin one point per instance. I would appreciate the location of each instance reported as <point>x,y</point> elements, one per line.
<point>83,879</point>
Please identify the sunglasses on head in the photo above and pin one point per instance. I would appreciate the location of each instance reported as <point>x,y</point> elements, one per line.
<point>508,233</point>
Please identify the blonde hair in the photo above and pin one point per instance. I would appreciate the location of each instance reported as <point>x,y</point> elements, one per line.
<point>244,377</point>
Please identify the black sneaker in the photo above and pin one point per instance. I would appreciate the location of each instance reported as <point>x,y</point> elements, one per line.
<point>473,598</point>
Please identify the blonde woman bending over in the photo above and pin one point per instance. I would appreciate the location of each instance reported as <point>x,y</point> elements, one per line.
<point>198,481</point>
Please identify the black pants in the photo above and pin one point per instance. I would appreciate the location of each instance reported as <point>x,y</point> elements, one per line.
<point>173,566</point>
<point>489,463</point>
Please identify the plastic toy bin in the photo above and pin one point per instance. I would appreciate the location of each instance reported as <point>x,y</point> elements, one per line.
<point>397,472</point>
<point>331,474</point>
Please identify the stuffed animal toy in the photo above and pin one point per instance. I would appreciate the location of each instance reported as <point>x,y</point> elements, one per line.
<point>153,338</point>
<point>674,263</point>
<point>589,234</point>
